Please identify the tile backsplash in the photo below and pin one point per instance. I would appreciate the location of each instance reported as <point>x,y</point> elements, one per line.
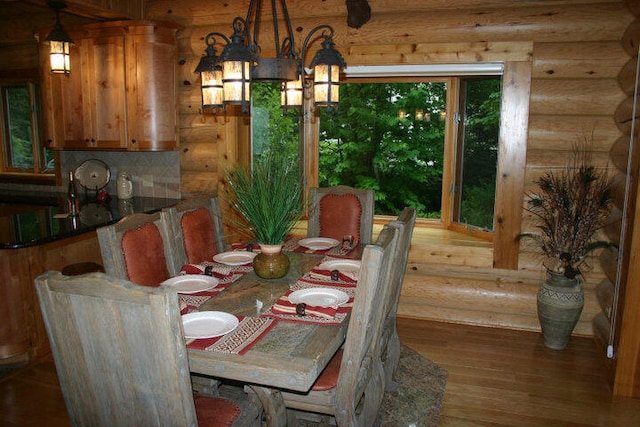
<point>154,174</point>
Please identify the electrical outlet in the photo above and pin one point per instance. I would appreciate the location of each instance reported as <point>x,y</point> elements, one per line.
<point>147,180</point>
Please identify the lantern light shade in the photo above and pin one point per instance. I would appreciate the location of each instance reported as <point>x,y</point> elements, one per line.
<point>59,43</point>
<point>237,60</point>
<point>326,65</point>
<point>210,70</point>
<point>292,93</point>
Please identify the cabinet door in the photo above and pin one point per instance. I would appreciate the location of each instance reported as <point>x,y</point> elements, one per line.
<point>105,86</point>
<point>151,88</point>
<point>63,111</point>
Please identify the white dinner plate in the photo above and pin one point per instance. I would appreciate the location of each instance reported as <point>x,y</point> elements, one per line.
<point>191,283</point>
<point>234,257</point>
<point>318,243</point>
<point>208,324</point>
<point>343,265</point>
<point>321,297</point>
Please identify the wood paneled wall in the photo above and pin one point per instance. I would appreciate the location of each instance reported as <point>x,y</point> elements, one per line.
<point>577,55</point>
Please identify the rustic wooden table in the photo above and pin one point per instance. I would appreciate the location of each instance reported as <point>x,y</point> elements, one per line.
<point>291,356</point>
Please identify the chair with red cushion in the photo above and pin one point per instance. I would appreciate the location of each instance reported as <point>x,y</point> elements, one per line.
<point>351,387</point>
<point>197,229</point>
<point>138,248</point>
<point>121,357</point>
<point>339,211</point>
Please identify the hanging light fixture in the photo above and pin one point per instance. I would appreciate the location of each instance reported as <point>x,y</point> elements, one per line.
<point>210,69</point>
<point>326,65</point>
<point>242,64</point>
<point>59,42</point>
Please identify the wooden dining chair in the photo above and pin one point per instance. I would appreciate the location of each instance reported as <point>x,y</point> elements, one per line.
<point>121,358</point>
<point>351,387</point>
<point>197,230</point>
<point>339,211</point>
<point>138,248</point>
<point>390,341</point>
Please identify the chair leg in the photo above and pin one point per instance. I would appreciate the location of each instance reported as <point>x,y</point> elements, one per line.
<point>391,361</point>
<point>204,385</point>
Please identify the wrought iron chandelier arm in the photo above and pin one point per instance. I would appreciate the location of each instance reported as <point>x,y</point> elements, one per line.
<point>210,39</point>
<point>310,35</point>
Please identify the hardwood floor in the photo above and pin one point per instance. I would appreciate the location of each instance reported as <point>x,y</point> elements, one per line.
<point>497,377</point>
<point>501,377</point>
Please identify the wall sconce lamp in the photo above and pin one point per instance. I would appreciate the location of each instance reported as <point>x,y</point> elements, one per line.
<point>59,43</point>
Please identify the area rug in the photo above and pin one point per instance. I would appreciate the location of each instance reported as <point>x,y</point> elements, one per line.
<point>417,399</point>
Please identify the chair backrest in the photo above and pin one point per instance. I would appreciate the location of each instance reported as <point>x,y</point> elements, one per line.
<point>339,211</point>
<point>118,349</point>
<point>361,368</point>
<point>138,248</point>
<point>197,230</point>
<point>389,339</point>
<point>404,224</point>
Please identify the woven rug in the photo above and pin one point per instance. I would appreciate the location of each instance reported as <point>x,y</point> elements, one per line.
<point>417,399</point>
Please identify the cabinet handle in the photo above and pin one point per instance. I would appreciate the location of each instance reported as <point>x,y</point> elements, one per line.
<point>133,141</point>
<point>86,140</point>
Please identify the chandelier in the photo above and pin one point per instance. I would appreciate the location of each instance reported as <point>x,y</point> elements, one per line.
<point>226,79</point>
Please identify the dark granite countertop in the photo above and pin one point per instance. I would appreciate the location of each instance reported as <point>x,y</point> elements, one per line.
<point>33,218</point>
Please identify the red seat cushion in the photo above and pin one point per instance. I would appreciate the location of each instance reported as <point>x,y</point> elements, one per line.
<point>215,411</point>
<point>340,216</point>
<point>144,258</point>
<point>199,236</point>
<point>328,379</point>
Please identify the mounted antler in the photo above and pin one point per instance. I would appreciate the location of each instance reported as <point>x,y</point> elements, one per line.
<point>358,13</point>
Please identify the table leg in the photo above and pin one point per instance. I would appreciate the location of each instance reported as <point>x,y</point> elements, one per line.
<point>273,405</point>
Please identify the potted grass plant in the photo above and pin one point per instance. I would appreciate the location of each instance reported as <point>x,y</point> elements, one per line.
<point>570,206</point>
<point>269,202</point>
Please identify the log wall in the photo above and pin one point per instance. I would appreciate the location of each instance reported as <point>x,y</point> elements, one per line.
<point>575,52</point>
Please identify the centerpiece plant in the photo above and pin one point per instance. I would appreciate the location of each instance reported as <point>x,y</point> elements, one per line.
<point>269,201</point>
<point>570,207</point>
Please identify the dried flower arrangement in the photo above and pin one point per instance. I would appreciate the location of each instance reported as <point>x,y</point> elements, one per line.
<point>571,206</point>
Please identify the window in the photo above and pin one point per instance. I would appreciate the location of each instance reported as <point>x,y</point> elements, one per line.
<point>426,143</point>
<point>272,129</point>
<point>22,152</point>
<point>515,87</point>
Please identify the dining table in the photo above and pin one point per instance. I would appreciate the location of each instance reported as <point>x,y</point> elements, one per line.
<point>287,352</point>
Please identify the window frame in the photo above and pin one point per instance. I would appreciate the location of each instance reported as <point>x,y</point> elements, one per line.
<point>40,174</point>
<point>514,123</point>
<point>510,182</point>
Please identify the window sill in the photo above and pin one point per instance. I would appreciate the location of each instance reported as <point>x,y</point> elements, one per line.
<point>28,178</point>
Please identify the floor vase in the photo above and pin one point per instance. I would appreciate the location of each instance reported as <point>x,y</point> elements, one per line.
<point>560,303</point>
<point>271,262</point>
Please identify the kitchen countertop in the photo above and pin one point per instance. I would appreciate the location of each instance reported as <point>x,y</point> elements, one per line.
<point>33,218</point>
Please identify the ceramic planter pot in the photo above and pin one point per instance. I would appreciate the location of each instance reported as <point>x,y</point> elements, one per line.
<point>560,303</point>
<point>271,262</point>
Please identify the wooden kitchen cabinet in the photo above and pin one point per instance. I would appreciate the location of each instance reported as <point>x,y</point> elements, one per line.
<point>121,93</point>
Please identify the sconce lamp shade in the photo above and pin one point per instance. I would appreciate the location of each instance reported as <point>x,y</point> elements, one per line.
<point>326,65</point>
<point>59,43</point>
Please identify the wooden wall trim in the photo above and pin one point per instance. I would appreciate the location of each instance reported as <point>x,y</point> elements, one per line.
<point>512,156</point>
